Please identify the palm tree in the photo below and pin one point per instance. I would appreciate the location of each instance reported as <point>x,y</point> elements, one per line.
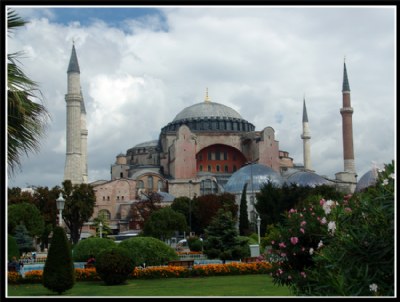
<point>27,119</point>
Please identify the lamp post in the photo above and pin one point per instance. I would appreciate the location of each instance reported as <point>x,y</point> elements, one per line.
<point>60,206</point>
<point>258,228</point>
<point>101,228</point>
<point>190,206</point>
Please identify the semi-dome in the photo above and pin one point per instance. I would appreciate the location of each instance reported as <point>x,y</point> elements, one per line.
<point>306,178</point>
<point>261,174</point>
<point>211,117</point>
<point>207,110</point>
<point>367,180</point>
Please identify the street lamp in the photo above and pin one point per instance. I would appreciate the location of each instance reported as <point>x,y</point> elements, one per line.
<point>60,206</point>
<point>258,228</point>
<point>101,228</point>
<point>190,206</point>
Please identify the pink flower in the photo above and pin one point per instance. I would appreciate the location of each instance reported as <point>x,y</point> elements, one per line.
<point>292,211</point>
<point>282,245</point>
<point>347,210</point>
<point>303,274</point>
<point>273,242</point>
<point>303,223</point>
<point>302,230</point>
<point>321,202</point>
<point>294,240</point>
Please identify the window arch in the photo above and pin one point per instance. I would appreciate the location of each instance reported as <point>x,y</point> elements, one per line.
<point>104,214</point>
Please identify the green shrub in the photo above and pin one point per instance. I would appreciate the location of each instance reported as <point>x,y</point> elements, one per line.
<point>114,265</point>
<point>12,248</point>
<point>148,250</point>
<point>339,248</point>
<point>58,271</point>
<point>359,261</point>
<point>90,246</point>
<point>195,244</point>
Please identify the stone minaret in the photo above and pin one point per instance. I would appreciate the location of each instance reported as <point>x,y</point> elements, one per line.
<point>75,163</point>
<point>84,134</point>
<point>306,136</point>
<point>347,111</point>
<point>348,178</point>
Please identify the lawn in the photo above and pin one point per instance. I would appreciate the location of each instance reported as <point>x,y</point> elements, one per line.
<point>245,285</point>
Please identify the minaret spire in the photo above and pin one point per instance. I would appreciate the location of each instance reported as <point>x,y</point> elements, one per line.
<point>306,136</point>
<point>75,163</point>
<point>348,178</point>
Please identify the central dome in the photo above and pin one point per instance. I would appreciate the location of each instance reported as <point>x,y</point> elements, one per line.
<point>207,110</point>
<point>209,117</point>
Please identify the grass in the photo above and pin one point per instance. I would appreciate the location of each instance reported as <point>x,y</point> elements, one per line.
<point>245,285</point>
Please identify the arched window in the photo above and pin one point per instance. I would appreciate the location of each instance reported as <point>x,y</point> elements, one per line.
<point>150,182</point>
<point>140,184</point>
<point>160,185</point>
<point>104,214</point>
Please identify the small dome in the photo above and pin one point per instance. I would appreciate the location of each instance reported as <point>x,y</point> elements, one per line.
<point>306,178</point>
<point>207,110</point>
<point>152,143</point>
<point>367,180</point>
<point>261,174</point>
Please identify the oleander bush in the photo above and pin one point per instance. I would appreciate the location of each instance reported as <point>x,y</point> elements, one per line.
<point>339,248</point>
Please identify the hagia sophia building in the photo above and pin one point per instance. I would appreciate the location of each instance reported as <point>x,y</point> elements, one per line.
<point>208,148</point>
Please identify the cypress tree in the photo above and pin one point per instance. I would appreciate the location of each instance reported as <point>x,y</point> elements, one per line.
<point>243,216</point>
<point>58,271</point>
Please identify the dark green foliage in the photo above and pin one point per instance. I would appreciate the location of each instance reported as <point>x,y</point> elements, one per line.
<point>273,201</point>
<point>58,271</point>
<point>362,251</point>
<point>90,246</point>
<point>12,248</point>
<point>23,239</point>
<point>243,217</point>
<point>195,244</point>
<point>221,240</point>
<point>164,223</point>
<point>148,250</point>
<point>114,265</point>
<point>28,214</point>
<point>79,204</point>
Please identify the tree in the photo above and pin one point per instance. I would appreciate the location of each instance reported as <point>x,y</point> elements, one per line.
<point>243,217</point>
<point>222,238</point>
<point>27,214</point>
<point>79,204</point>
<point>59,271</point>
<point>140,211</point>
<point>105,224</point>
<point>163,224</point>
<point>27,119</point>
<point>12,248</point>
<point>206,207</point>
<point>23,239</point>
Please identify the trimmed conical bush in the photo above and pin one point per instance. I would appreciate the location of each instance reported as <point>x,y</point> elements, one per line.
<point>58,271</point>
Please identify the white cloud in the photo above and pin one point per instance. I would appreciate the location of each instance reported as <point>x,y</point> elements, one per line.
<point>260,61</point>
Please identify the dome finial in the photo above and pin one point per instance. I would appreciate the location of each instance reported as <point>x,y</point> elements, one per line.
<point>207,99</point>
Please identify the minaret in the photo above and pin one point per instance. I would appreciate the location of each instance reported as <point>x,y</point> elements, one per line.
<point>347,125</point>
<point>84,134</point>
<point>347,180</point>
<point>73,162</point>
<point>306,136</point>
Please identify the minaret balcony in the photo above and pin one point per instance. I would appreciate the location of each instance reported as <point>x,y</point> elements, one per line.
<point>346,110</point>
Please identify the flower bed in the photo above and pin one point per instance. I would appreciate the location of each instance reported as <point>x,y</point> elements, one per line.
<point>154,272</point>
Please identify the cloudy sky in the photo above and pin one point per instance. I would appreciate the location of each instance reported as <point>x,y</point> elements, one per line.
<point>141,66</point>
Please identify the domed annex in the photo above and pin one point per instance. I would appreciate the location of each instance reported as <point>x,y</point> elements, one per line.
<point>367,180</point>
<point>305,178</point>
<point>253,173</point>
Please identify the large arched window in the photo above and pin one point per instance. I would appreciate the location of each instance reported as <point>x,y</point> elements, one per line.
<point>150,182</point>
<point>105,214</point>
